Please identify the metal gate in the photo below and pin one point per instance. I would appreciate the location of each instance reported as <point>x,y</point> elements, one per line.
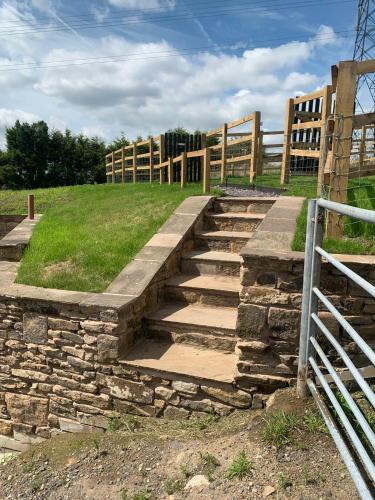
<point>345,419</point>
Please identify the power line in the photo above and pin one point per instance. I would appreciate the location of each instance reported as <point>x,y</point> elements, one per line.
<point>162,55</point>
<point>200,15</point>
<point>119,11</point>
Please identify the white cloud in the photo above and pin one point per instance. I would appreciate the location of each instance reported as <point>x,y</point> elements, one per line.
<point>149,93</point>
<point>8,118</point>
<point>143,4</point>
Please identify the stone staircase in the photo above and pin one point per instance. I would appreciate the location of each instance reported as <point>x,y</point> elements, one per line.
<point>194,332</point>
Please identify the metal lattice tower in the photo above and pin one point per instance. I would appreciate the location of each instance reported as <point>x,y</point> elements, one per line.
<point>365,49</point>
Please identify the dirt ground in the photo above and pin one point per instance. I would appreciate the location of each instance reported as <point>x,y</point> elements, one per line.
<point>155,459</point>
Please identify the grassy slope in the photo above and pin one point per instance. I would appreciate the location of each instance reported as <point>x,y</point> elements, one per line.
<point>89,233</point>
<point>359,236</point>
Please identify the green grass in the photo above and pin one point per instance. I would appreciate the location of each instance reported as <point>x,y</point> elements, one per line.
<point>89,233</point>
<point>278,428</point>
<point>240,467</point>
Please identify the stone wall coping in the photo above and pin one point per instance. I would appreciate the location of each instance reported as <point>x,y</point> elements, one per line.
<point>21,234</point>
<point>131,282</point>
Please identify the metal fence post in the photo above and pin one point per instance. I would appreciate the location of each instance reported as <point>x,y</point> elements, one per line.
<point>303,341</point>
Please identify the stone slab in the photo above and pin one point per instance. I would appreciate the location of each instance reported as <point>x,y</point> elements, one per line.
<point>154,253</point>
<point>183,359</point>
<point>193,205</point>
<point>164,240</point>
<point>134,278</point>
<point>178,224</point>
<point>279,225</point>
<point>218,284</point>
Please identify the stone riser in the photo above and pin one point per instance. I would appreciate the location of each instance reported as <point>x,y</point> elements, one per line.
<point>203,297</point>
<point>219,343</point>
<point>185,328</point>
<point>232,224</point>
<point>241,206</point>
<point>190,266</point>
<point>219,244</point>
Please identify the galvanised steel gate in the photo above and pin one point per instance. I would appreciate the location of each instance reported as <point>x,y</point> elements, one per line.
<point>356,443</point>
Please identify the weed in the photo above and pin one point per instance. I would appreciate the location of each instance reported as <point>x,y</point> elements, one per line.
<point>240,467</point>
<point>114,422</point>
<point>201,423</point>
<point>313,422</point>
<point>124,495</point>
<point>117,422</point>
<point>185,471</point>
<point>278,427</point>
<point>172,486</point>
<point>210,462</point>
<point>143,495</point>
<point>95,443</point>
<point>306,478</point>
<point>36,484</point>
<point>283,481</point>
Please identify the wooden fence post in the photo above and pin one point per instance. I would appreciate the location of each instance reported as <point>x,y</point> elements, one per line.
<point>122,165</point>
<point>288,122</point>
<point>134,162</point>
<point>30,207</point>
<point>362,147</point>
<point>260,155</point>
<point>224,142</point>
<point>206,170</point>
<point>326,111</point>
<point>254,145</point>
<point>183,169</point>
<point>151,163</point>
<point>113,168</point>
<point>170,170</point>
<point>161,158</point>
<point>342,142</point>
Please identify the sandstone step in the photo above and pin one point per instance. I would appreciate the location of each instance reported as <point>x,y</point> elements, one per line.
<point>169,334</point>
<point>181,360</point>
<point>225,241</point>
<point>230,221</point>
<point>211,263</point>
<point>206,290</point>
<point>244,204</point>
<point>202,319</point>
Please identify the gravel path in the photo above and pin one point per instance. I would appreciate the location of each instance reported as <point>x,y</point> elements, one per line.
<point>237,190</point>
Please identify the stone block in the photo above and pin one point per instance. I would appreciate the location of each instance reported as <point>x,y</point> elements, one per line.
<point>93,420</point>
<point>63,324</point>
<point>126,389</point>
<point>238,399</point>
<point>167,394</point>
<point>251,320</point>
<point>73,426</point>
<point>125,407</point>
<point>107,348</point>
<point>174,413</point>
<point>35,328</point>
<point>27,409</point>
<point>265,296</point>
<point>284,322</point>
<point>6,428</point>
<point>79,364</point>
<point>185,387</point>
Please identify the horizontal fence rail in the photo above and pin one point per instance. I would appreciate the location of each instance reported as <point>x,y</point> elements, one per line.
<point>317,372</point>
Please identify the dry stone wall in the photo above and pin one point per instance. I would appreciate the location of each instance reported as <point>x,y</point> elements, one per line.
<point>270,313</point>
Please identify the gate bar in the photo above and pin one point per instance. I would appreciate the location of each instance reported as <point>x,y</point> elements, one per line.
<point>355,212</point>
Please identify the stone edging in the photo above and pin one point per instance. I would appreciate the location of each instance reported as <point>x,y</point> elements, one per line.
<point>14,243</point>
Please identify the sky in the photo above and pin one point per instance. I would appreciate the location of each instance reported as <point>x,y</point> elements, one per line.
<point>140,67</point>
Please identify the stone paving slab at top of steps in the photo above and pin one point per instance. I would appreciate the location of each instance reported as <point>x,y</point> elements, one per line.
<point>181,360</point>
<point>204,318</point>
<point>211,263</point>
<point>225,241</point>
<point>244,204</point>
<point>218,284</point>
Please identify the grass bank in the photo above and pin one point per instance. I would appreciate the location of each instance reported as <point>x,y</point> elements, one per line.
<point>89,233</point>
<point>358,236</point>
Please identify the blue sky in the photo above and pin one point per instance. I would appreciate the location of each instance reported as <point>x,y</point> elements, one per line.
<point>164,63</point>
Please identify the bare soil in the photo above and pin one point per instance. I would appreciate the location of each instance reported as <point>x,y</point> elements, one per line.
<point>155,458</point>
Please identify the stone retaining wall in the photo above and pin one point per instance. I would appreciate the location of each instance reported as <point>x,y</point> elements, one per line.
<point>9,222</point>
<point>271,297</point>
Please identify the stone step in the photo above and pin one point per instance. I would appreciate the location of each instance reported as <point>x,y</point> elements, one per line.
<point>169,334</point>
<point>244,204</point>
<point>200,319</point>
<point>225,241</point>
<point>206,290</point>
<point>230,221</point>
<point>211,263</point>
<point>181,361</point>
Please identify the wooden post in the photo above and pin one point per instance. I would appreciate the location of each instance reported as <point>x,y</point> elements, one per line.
<point>161,158</point>
<point>254,145</point>
<point>362,147</point>
<point>113,168</point>
<point>183,169</point>
<point>151,163</point>
<point>288,122</point>
<point>224,142</point>
<point>342,142</point>
<point>134,162</point>
<point>170,170</point>
<point>122,165</point>
<point>206,170</point>
<point>326,111</point>
<point>260,155</point>
<point>30,207</point>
